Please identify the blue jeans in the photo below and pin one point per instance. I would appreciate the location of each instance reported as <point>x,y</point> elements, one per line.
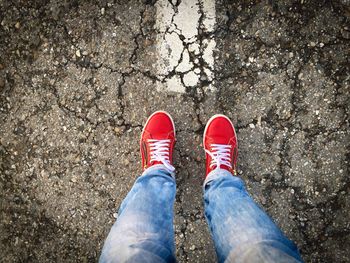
<point>241,231</point>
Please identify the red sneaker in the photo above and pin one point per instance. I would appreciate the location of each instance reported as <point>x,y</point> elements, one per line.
<point>220,144</point>
<point>158,140</point>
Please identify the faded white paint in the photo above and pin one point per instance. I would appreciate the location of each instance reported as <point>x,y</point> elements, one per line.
<point>178,44</point>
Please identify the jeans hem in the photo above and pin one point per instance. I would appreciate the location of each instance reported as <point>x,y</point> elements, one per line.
<point>215,174</point>
<point>158,167</point>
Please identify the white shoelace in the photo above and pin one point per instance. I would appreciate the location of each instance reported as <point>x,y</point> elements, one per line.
<point>220,155</point>
<point>159,151</point>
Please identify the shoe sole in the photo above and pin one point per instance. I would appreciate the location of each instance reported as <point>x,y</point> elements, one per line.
<point>154,113</point>
<point>214,117</point>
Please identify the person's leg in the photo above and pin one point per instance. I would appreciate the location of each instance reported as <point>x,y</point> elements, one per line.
<point>241,230</point>
<point>144,230</point>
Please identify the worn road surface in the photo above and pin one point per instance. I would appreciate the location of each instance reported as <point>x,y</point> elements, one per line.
<point>78,79</point>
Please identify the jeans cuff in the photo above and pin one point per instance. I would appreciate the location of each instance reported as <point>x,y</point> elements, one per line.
<point>215,174</point>
<point>158,167</point>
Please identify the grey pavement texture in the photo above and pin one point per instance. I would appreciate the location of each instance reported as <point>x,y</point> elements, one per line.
<point>78,80</point>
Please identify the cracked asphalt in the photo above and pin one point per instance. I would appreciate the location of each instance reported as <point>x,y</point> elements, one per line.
<point>79,78</point>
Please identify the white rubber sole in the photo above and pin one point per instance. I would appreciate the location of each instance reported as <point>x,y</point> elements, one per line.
<point>214,117</point>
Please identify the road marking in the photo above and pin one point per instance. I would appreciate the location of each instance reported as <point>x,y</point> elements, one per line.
<point>186,58</point>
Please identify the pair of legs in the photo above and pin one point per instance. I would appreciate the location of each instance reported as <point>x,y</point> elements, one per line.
<point>241,231</point>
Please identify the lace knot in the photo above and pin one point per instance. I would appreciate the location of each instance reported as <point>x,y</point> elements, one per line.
<point>220,155</point>
<point>159,151</point>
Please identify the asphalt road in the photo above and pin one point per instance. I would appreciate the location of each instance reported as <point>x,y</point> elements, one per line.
<point>79,78</point>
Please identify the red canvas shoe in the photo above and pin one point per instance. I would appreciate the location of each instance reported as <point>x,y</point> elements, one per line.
<point>158,140</point>
<point>220,144</point>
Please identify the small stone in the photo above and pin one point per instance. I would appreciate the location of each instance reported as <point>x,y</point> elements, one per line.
<point>312,44</point>
<point>321,44</point>
<point>259,120</point>
<point>118,130</point>
<point>345,33</point>
<point>77,53</point>
<point>16,241</point>
<point>115,215</point>
<point>317,112</point>
<point>97,64</point>
<point>277,159</point>
<point>193,247</point>
<point>17,25</point>
<point>85,53</point>
<point>291,54</point>
<point>64,61</point>
<point>277,176</point>
<point>251,125</point>
<point>203,78</point>
<point>292,191</point>
<point>103,10</point>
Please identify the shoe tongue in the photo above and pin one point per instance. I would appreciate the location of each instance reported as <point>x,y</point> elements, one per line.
<point>224,167</point>
<point>156,162</point>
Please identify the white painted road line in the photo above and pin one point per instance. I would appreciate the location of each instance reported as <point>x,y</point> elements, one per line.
<point>184,58</point>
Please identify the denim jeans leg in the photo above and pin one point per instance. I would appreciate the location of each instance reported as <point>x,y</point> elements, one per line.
<point>144,229</point>
<point>241,230</point>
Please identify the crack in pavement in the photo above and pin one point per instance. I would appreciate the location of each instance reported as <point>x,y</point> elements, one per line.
<point>185,52</point>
